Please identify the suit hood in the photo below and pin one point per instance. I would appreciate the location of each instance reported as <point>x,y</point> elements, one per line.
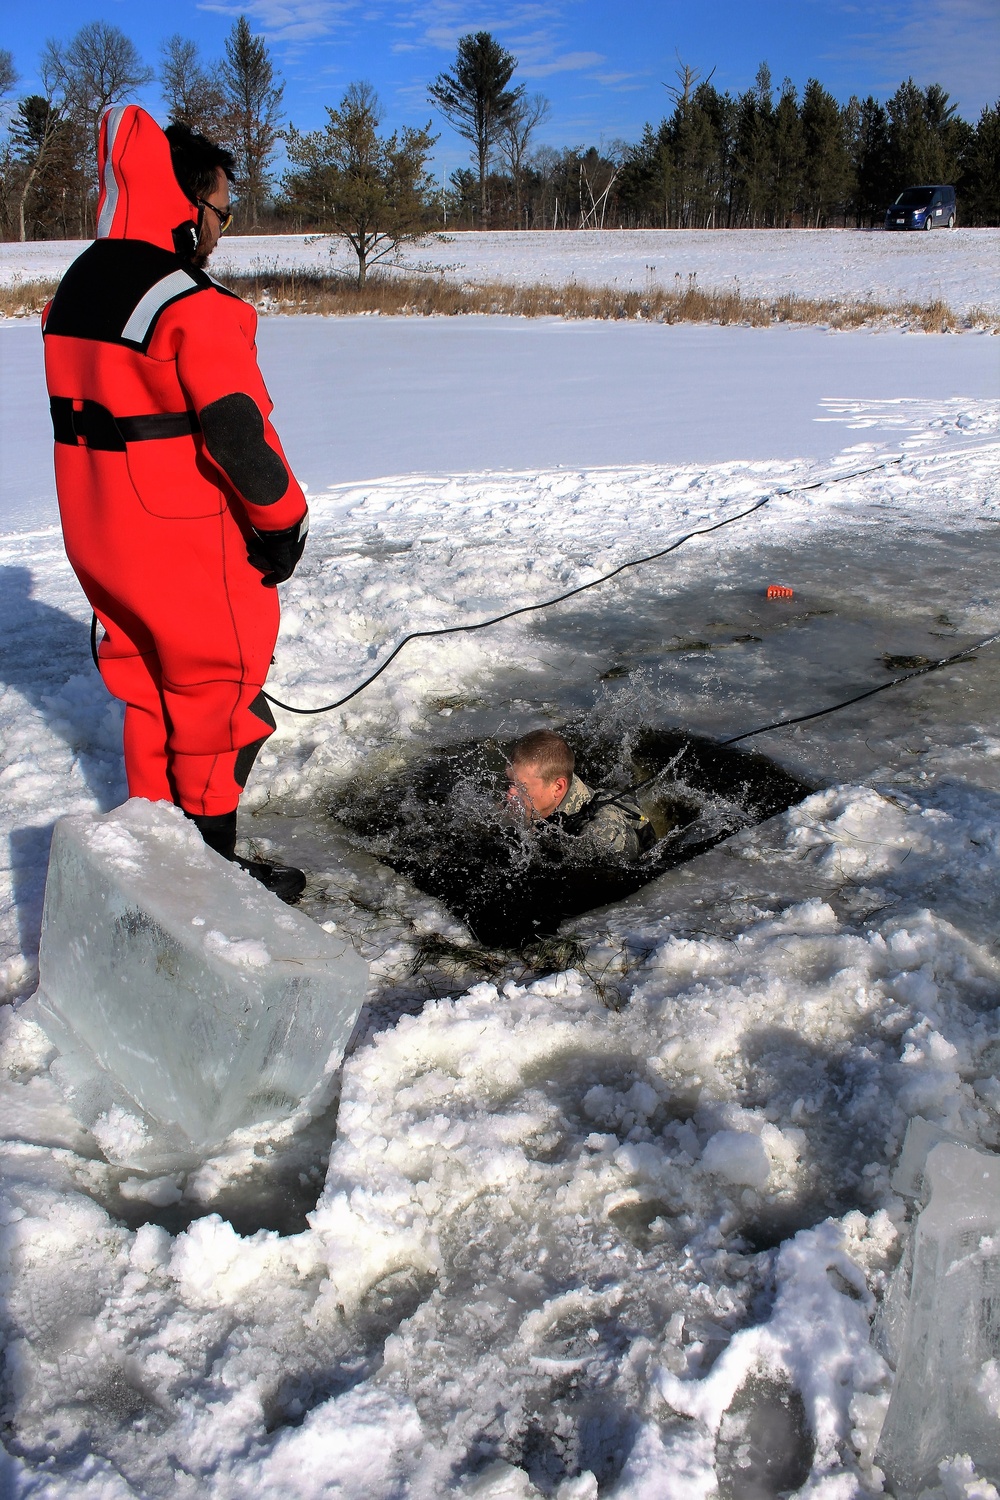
<point>140,198</point>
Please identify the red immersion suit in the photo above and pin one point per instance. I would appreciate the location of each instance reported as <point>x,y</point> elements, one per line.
<point>165,459</point>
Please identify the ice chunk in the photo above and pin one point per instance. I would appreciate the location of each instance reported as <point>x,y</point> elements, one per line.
<point>739,1156</point>
<point>185,1000</point>
<point>941,1400</point>
<point>920,1139</point>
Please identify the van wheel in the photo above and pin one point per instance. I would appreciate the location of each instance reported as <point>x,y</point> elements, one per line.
<point>951,221</point>
<point>928,222</point>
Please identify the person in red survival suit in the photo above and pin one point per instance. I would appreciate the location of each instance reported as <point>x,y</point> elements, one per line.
<point>179,512</point>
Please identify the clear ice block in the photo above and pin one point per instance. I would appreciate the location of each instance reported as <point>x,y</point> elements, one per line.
<point>944,1397</point>
<point>185,1000</point>
<point>920,1139</point>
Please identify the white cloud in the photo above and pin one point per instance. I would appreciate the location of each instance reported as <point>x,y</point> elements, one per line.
<point>569,62</point>
<point>413,97</point>
<point>952,42</point>
<point>441,22</point>
<point>623,83</point>
<point>287,20</point>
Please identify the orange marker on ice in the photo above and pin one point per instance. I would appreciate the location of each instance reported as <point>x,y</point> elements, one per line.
<point>778,591</point>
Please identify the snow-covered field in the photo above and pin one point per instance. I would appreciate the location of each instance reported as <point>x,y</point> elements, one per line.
<point>550,1238</point>
<point>961,267</point>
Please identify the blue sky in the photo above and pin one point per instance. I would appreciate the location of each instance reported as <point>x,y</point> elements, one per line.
<point>601,64</point>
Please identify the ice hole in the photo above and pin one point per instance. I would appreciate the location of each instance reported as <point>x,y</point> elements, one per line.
<point>441,823</point>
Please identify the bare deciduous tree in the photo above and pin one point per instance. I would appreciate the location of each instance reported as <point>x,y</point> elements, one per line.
<point>99,67</point>
<point>192,93</point>
<point>523,119</point>
<point>8,73</point>
<point>599,171</point>
<point>688,79</point>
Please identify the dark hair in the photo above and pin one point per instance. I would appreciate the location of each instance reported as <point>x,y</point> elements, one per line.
<point>196,159</point>
<point>545,752</point>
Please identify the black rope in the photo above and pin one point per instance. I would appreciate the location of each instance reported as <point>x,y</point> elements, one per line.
<point>635,562</point>
<point>748,734</point>
<point>931,666</point>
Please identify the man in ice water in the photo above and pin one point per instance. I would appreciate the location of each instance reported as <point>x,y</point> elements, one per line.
<point>544,788</point>
<point>179,511</point>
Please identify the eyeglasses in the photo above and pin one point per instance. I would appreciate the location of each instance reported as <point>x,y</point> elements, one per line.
<point>224,215</point>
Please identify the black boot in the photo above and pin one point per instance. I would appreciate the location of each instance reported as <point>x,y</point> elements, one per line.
<point>218,830</point>
<point>285,881</point>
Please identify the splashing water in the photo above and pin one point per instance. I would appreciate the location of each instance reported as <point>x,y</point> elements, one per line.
<point>445,825</point>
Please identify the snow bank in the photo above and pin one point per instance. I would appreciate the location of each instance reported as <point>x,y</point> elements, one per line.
<point>525,1253</point>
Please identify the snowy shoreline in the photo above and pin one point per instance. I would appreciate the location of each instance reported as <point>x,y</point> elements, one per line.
<point>960,268</point>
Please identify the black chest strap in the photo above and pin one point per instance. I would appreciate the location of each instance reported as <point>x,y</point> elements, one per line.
<point>100,428</point>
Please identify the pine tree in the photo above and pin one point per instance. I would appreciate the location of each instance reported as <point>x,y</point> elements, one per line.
<point>253,114</point>
<point>475,98</point>
<point>754,149</point>
<point>45,151</point>
<point>979,201</point>
<point>825,161</point>
<point>645,176</point>
<point>925,138</point>
<point>698,159</point>
<point>788,146</point>
<point>717,112</point>
<point>691,146</point>
<point>870,161</point>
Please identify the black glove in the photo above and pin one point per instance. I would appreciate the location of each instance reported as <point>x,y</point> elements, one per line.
<point>276,553</point>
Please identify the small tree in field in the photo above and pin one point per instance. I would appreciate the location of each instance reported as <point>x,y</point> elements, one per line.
<point>374,191</point>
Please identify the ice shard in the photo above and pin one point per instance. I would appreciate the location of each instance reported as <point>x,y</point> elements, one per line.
<point>185,1001</point>
<point>945,1395</point>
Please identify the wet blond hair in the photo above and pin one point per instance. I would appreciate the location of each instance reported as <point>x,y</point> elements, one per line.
<point>545,752</point>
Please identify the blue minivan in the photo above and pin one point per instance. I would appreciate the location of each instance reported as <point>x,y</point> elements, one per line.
<point>923,208</point>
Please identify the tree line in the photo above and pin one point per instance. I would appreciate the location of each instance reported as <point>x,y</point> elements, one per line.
<point>48,158</point>
<point>768,157</point>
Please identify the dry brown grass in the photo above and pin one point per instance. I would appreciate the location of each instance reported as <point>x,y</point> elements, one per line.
<point>274,290</point>
<point>290,291</point>
<point>25,299</point>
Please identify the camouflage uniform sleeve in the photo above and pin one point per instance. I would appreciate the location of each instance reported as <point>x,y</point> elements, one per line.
<point>612,831</point>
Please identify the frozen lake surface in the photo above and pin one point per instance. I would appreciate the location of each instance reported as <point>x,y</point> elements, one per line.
<point>553,1248</point>
<point>365,398</point>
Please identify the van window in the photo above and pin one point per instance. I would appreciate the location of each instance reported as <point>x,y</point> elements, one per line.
<point>915,197</point>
